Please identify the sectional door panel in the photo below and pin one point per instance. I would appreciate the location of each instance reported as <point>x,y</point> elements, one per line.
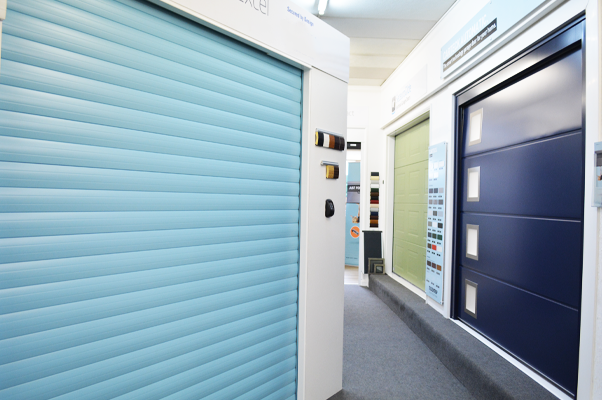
<point>410,208</point>
<point>544,104</point>
<point>542,333</point>
<point>149,207</point>
<point>519,226</point>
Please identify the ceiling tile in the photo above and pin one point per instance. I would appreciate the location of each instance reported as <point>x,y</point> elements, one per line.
<point>369,46</point>
<point>428,10</point>
<point>382,32</point>
<point>375,61</point>
<point>381,28</point>
<point>365,82</point>
<point>370,73</point>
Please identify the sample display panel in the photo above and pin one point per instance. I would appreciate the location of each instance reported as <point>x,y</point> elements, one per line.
<point>436,222</point>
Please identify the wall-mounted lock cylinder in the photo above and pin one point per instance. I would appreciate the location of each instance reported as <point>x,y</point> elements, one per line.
<point>329,208</point>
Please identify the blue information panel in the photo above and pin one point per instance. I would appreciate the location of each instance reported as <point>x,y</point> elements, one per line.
<point>436,222</point>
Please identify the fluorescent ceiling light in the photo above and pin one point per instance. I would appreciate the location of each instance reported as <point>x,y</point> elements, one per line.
<point>322,6</point>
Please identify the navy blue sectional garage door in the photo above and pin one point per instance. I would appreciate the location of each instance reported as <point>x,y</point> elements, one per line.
<point>149,207</point>
<point>520,208</point>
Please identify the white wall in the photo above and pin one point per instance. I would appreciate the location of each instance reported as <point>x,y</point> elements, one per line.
<point>438,100</point>
<point>322,263</point>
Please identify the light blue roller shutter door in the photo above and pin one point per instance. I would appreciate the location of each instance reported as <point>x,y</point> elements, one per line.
<point>149,207</point>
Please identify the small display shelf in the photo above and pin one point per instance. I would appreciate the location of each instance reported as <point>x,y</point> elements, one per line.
<point>374,198</point>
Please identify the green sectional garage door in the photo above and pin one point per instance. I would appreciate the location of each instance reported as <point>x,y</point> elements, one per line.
<point>410,207</point>
<point>149,207</point>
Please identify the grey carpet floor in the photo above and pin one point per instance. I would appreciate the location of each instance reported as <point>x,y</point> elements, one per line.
<point>384,360</point>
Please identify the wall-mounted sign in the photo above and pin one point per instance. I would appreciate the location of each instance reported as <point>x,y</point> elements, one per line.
<point>497,17</point>
<point>300,15</point>
<point>410,93</point>
<point>598,175</point>
<point>262,6</point>
<point>436,222</point>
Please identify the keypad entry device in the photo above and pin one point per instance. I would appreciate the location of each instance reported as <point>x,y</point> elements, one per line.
<point>435,230</point>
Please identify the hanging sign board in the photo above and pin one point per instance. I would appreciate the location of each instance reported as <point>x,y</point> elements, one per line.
<point>436,222</point>
<point>492,21</point>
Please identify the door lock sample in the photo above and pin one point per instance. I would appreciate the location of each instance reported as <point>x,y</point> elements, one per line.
<point>329,208</point>
<point>597,202</point>
<point>332,169</point>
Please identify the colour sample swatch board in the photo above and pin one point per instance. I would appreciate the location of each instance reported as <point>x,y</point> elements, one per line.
<point>374,198</point>
<point>436,222</point>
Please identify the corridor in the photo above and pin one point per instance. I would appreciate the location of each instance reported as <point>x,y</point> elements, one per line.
<point>384,360</point>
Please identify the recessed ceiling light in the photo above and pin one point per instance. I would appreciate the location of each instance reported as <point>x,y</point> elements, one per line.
<point>322,6</point>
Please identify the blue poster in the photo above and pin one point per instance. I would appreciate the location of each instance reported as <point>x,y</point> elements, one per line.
<point>352,215</point>
<point>436,222</point>
<point>352,235</point>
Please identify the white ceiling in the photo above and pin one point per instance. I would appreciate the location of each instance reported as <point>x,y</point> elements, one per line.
<point>382,32</point>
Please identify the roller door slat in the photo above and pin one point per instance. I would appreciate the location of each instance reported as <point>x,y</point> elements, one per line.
<point>145,366</point>
<point>231,387</point>
<point>285,384</point>
<point>177,87</point>
<point>51,105</point>
<point>199,314</point>
<point>182,337</point>
<point>96,34</point>
<point>53,317</point>
<point>66,200</point>
<point>191,26</point>
<point>47,247</point>
<point>51,153</point>
<point>59,177</point>
<point>210,142</point>
<point>55,224</point>
<point>272,376</point>
<point>50,295</point>
<point>190,378</point>
<point>218,46</point>
<point>47,271</point>
<point>203,106</point>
